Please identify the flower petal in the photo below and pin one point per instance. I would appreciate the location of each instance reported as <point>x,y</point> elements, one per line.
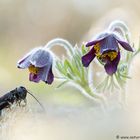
<point>93,42</point>
<point>25,61</point>
<point>34,77</point>
<point>41,58</point>
<point>86,59</point>
<point>98,38</point>
<point>125,45</point>
<point>109,44</point>
<point>111,66</point>
<point>50,76</point>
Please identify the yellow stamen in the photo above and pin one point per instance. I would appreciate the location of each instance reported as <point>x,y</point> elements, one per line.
<point>97,49</point>
<point>33,69</point>
<point>112,55</point>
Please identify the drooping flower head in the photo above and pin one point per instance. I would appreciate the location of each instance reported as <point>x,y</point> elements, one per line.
<point>106,48</point>
<point>39,62</point>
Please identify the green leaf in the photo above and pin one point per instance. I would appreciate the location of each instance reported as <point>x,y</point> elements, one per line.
<point>60,67</point>
<point>61,84</point>
<point>70,76</point>
<point>83,48</point>
<point>126,76</point>
<point>67,65</point>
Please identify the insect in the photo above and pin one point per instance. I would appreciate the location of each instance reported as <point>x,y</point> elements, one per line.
<point>16,96</point>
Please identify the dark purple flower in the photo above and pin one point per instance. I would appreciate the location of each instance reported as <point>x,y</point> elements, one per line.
<point>39,62</point>
<point>106,48</point>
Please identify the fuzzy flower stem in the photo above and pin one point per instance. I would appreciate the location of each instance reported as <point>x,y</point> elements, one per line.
<point>61,42</point>
<point>121,28</point>
<point>88,92</point>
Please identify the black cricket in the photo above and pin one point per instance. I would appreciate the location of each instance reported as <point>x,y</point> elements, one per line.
<point>17,95</point>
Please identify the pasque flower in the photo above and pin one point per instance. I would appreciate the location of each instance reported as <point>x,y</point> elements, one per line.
<point>106,48</point>
<point>39,62</point>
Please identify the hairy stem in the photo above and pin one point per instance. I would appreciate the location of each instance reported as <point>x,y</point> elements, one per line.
<point>61,42</point>
<point>121,28</point>
<point>88,92</point>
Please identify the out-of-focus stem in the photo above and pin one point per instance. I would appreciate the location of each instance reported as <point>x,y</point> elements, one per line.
<point>88,92</point>
<point>121,28</point>
<point>61,42</point>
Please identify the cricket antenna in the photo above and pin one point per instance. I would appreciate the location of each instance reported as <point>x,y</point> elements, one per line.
<point>36,100</point>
